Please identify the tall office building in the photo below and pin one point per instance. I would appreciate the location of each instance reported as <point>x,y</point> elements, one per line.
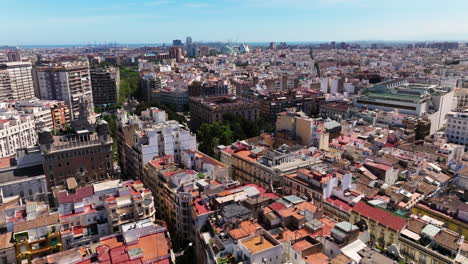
<point>192,50</point>
<point>66,81</point>
<point>188,41</point>
<point>105,85</point>
<point>177,42</point>
<point>16,81</point>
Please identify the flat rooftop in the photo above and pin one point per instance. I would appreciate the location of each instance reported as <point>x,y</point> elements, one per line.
<point>256,244</point>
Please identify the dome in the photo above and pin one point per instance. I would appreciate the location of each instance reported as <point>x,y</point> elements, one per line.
<point>227,49</point>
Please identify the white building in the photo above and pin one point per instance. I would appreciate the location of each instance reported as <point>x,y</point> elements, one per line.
<point>17,130</point>
<point>457,128</point>
<point>16,82</point>
<point>432,101</point>
<point>151,135</point>
<point>261,247</point>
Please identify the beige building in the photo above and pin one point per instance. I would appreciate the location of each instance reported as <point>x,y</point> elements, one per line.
<point>7,249</point>
<point>212,109</point>
<point>427,243</point>
<point>384,227</point>
<point>266,167</point>
<point>133,202</point>
<point>305,130</point>
<point>16,82</point>
<point>66,81</point>
<point>173,187</point>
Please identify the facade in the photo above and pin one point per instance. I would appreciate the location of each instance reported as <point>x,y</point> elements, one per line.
<point>261,247</point>
<point>426,243</point>
<point>212,87</point>
<point>66,81</point>
<point>140,139</point>
<point>173,188</point>
<point>105,83</point>
<point>461,94</point>
<point>175,52</point>
<point>131,203</point>
<point>16,82</point>
<point>17,130</point>
<point>432,101</point>
<point>266,167</point>
<point>83,219</point>
<point>37,238</point>
<point>84,155</point>
<point>177,97</point>
<point>457,128</point>
<point>47,114</point>
<point>274,103</point>
<point>150,85</point>
<point>306,131</point>
<point>384,227</point>
<point>212,109</point>
<point>7,249</point>
<point>315,185</point>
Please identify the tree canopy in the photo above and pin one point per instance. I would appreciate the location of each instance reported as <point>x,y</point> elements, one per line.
<point>212,135</point>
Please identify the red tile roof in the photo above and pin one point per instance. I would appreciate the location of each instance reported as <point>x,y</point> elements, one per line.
<point>339,203</point>
<point>277,206</point>
<point>381,216</point>
<point>80,193</point>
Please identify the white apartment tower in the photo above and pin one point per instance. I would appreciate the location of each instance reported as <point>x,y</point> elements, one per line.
<point>141,139</point>
<point>457,128</point>
<point>66,81</point>
<point>16,82</point>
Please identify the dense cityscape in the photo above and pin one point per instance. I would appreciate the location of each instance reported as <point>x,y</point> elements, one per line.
<point>226,153</point>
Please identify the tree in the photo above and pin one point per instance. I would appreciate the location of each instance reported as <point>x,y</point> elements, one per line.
<point>212,135</point>
<point>129,84</point>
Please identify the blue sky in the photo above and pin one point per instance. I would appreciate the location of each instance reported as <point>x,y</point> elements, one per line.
<point>26,22</point>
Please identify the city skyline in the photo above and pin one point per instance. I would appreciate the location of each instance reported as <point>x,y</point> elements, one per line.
<point>161,21</point>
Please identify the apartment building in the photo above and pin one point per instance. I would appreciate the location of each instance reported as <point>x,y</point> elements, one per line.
<point>16,81</point>
<point>140,139</point>
<point>457,128</point>
<point>306,131</point>
<point>150,84</point>
<point>266,167</point>
<point>212,109</point>
<point>83,219</point>
<point>174,188</point>
<point>131,203</point>
<point>429,243</point>
<point>105,83</point>
<point>17,130</point>
<point>384,227</point>
<point>37,238</point>
<point>47,113</point>
<point>66,81</point>
<point>316,183</point>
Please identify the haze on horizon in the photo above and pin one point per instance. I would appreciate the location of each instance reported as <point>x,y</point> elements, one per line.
<point>32,22</point>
